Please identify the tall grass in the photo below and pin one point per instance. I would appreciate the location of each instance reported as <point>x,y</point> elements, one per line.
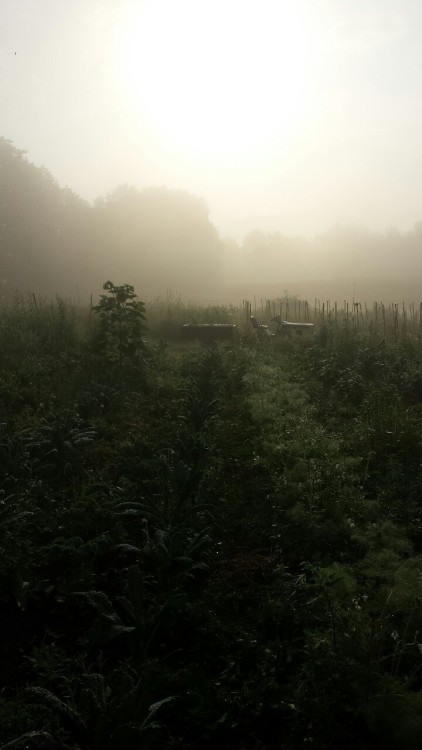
<point>393,321</point>
<point>29,323</point>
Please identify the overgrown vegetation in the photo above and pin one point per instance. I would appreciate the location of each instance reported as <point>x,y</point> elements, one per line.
<point>207,546</point>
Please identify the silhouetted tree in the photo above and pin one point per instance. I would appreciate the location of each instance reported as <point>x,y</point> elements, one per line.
<point>160,238</point>
<point>43,228</point>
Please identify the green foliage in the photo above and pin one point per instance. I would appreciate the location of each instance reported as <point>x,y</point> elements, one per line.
<point>221,548</point>
<point>121,324</point>
<point>57,443</point>
<point>101,719</point>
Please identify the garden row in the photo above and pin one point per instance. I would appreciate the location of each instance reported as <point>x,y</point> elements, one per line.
<point>207,545</point>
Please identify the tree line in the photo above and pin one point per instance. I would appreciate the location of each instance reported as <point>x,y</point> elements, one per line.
<point>342,252</point>
<point>162,240</point>
<point>52,241</point>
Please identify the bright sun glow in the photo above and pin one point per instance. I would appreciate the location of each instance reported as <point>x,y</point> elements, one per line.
<point>216,78</point>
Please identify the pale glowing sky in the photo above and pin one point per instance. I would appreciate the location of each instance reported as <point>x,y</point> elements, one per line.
<point>289,116</point>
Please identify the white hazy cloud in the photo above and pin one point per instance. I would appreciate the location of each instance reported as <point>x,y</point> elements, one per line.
<point>283,116</point>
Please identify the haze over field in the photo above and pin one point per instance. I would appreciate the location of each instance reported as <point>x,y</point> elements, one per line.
<point>285,118</point>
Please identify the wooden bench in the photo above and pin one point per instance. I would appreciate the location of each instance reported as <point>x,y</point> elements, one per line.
<point>284,326</point>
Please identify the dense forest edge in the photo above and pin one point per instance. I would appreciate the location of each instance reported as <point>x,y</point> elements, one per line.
<point>163,241</point>
<point>209,545</point>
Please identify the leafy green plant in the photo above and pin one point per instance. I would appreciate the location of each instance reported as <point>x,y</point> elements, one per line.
<point>102,716</point>
<point>58,442</point>
<point>122,323</point>
<point>172,550</point>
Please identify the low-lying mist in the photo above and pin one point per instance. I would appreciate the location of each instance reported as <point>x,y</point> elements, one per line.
<point>162,242</point>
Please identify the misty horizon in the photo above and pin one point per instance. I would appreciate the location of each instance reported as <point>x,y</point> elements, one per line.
<point>289,118</point>
<point>163,239</point>
<point>241,225</point>
<point>238,227</point>
<point>265,142</point>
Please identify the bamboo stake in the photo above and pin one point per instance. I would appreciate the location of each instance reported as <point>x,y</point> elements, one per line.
<point>420,322</point>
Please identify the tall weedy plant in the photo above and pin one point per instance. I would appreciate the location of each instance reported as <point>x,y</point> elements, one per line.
<point>122,322</point>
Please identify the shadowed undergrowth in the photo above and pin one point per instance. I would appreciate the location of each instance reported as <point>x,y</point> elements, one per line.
<point>207,545</point>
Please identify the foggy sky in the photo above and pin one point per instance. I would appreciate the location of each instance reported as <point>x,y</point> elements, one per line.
<point>283,116</point>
